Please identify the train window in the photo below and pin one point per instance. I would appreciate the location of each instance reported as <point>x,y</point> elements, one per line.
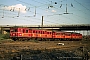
<point>57,33</point>
<point>33,31</point>
<point>26,31</point>
<point>63,34</point>
<point>19,30</point>
<point>36,31</point>
<point>47,32</point>
<point>43,32</point>
<point>12,30</point>
<point>67,34</point>
<point>15,30</point>
<point>50,32</point>
<point>30,30</point>
<point>23,30</point>
<point>39,32</point>
<point>60,33</point>
<point>53,32</point>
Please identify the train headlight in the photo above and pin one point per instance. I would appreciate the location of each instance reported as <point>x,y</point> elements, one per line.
<point>20,34</point>
<point>13,34</point>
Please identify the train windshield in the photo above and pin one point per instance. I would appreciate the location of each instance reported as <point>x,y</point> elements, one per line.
<point>14,30</point>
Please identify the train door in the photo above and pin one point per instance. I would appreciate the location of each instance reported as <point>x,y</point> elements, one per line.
<point>25,32</point>
<point>20,32</point>
<point>30,32</point>
<point>53,34</point>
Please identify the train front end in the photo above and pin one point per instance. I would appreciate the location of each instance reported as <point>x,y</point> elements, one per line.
<point>15,33</point>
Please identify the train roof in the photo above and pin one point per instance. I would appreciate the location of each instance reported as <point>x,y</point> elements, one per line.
<point>46,30</point>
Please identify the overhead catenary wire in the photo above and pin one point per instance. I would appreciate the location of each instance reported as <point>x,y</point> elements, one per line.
<point>72,19</point>
<point>80,16</point>
<point>82,5</point>
<point>40,7</point>
<point>43,9</point>
<point>65,17</point>
<point>47,21</point>
<point>17,19</point>
<point>11,16</point>
<point>33,21</point>
<point>17,11</point>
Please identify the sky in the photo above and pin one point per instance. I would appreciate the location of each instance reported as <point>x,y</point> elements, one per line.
<point>30,12</point>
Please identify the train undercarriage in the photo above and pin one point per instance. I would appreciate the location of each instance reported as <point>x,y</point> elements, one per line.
<point>43,39</point>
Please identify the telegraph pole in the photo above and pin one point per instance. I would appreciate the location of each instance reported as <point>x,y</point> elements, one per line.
<point>42,22</point>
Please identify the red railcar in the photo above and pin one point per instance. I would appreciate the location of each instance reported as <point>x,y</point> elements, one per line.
<point>18,33</point>
<point>68,35</point>
<point>76,36</point>
<point>60,35</point>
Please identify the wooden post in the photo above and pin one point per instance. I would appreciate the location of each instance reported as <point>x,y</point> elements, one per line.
<point>20,57</point>
<point>2,30</point>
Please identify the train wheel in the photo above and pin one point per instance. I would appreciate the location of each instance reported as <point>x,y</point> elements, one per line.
<point>36,38</point>
<point>14,39</point>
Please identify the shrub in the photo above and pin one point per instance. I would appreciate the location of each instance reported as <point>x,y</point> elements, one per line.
<point>4,36</point>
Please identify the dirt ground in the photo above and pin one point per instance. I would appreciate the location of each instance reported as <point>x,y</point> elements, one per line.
<point>9,46</point>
